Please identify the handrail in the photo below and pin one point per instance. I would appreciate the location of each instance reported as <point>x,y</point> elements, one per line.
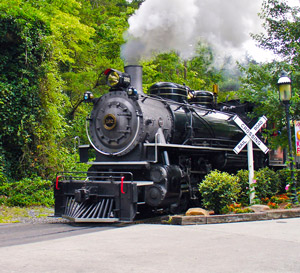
<point>96,177</point>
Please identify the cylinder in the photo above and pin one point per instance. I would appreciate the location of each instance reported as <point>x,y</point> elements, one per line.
<point>136,74</point>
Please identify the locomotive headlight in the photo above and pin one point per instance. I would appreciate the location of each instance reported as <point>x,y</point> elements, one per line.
<point>117,79</point>
<point>113,78</point>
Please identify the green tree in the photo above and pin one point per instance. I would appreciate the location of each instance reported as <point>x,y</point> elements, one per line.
<point>259,83</point>
<point>282,25</point>
<point>51,52</point>
<point>22,33</point>
<point>198,73</point>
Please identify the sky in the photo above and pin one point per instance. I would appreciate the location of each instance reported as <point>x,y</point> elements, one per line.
<point>160,26</point>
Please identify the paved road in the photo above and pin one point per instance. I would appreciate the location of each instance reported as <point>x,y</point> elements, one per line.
<point>260,247</point>
<point>18,234</point>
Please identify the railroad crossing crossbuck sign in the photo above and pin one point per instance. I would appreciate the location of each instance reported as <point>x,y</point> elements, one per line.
<point>250,134</point>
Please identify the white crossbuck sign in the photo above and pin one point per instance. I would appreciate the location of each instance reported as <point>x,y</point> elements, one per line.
<point>250,134</point>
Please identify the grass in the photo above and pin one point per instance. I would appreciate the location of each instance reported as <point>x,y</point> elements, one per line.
<point>19,215</point>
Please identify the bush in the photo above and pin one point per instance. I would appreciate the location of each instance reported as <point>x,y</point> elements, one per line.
<point>268,184</point>
<point>284,176</point>
<point>27,192</point>
<point>228,193</point>
<point>219,189</point>
<point>243,196</point>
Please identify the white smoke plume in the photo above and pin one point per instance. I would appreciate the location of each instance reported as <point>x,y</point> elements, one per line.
<point>160,26</point>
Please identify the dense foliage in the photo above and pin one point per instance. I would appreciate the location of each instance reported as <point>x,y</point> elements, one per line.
<point>223,192</point>
<point>267,184</point>
<point>32,191</point>
<point>51,52</point>
<point>22,55</point>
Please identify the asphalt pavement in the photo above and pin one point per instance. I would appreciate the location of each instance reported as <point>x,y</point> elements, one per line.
<point>263,246</point>
<point>19,233</point>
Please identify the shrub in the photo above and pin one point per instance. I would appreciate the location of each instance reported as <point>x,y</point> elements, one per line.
<point>27,192</point>
<point>268,184</point>
<point>285,178</point>
<point>219,189</point>
<point>243,196</point>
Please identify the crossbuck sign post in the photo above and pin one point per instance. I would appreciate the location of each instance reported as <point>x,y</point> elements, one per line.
<point>248,139</point>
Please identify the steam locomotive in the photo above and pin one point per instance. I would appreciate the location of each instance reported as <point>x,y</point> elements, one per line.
<point>149,152</point>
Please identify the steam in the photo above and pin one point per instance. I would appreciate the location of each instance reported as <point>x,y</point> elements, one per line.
<point>160,26</point>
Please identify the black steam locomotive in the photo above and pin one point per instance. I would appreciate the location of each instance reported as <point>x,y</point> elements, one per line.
<point>150,151</point>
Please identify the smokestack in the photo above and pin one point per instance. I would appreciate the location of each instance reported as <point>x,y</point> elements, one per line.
<point>136,74</point>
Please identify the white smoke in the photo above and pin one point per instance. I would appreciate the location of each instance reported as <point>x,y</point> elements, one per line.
<point>160,26</point>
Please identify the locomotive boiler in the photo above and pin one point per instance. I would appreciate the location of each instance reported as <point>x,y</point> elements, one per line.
<point>149,152</point>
